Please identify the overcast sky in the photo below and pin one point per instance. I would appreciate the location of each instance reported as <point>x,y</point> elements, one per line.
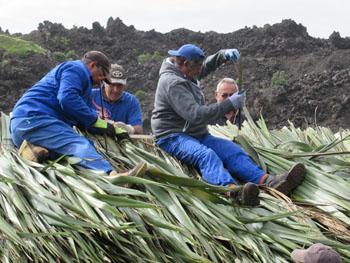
<point>320,17</point>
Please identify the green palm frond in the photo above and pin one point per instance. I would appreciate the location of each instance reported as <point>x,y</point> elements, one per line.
<point>66,213</point>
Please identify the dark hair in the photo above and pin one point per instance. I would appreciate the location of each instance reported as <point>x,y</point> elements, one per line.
<point>97,56</point>
<point>180,60</point>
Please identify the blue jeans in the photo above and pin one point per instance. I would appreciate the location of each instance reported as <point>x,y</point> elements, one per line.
<point>212,155</point>
<point>59,138</point>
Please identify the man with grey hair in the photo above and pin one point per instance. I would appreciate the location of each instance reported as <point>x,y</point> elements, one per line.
<point>226,88</point>
<point>179,125</point>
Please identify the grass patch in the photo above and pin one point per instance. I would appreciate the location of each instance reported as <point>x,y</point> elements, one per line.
<point>16,46</point>
<point>149,57</point>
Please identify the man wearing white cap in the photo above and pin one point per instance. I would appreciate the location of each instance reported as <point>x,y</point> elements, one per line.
<point>120,107</point>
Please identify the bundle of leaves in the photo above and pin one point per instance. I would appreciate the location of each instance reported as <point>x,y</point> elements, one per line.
<point>61,212</point>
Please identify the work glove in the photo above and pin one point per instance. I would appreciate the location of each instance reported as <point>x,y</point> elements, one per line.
<point>121,134</point>
<point>125,126</point>
<point>232,55</point>
<point>105,127</point>
<point>238,100</point>
<point>113,131</point>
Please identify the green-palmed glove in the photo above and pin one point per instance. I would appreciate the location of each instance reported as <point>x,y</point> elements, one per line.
<point>103,126</point>
<point>121,134</point>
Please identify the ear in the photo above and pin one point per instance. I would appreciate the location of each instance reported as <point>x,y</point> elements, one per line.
<point>93,64</point>
<point>216,94</point>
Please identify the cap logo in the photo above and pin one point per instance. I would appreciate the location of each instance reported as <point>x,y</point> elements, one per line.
<point>117,74</point>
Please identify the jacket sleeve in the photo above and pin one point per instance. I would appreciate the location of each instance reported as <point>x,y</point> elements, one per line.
<point>70,96</point>
<point>212,62</point>
<point>185,105</point>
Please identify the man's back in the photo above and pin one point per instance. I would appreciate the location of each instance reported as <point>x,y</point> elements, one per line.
<point>62,93</point>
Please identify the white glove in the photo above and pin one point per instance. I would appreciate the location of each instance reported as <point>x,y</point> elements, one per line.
<point>126,127</point>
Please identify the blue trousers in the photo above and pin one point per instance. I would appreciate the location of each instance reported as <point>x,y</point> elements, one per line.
<point>59,138</point>
<point>212,155</point>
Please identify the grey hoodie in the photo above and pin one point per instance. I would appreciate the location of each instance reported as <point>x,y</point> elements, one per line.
<point>179,105</point>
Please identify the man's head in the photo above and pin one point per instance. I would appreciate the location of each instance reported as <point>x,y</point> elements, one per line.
<point>189,59</point>
<point>98,64</point>
<point>225,88</point>
<point>317,253</point>
<point>114,90</point>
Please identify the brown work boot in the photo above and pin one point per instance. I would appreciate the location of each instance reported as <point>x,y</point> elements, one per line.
<point>247,196</point>
<point>33,153</point>
<point>138,171</point>
<point>288,181</point>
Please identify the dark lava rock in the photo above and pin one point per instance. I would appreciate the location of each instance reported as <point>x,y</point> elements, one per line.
<point>317,91</point>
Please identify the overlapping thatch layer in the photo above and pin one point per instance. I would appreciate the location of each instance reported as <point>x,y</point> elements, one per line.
<point>64,213</point>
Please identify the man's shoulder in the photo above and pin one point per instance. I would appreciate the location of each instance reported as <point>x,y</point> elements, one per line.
<point>128,96</point>
<point>74,67</point>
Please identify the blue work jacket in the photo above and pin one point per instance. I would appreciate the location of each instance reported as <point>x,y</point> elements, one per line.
<point>63,93</point>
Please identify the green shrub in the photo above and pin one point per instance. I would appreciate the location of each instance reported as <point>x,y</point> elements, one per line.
<point>71,55</point>
<point>149,57</point>
<point>140,95</point>
<point>59,55</point>
<point>144,58</point>
<point>279,78</point>
<point>157,57</point>
<point>65,41</point>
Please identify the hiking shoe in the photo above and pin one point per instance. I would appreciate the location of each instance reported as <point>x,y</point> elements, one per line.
<point>33,153</point>
<point>288,181</point>
<point>247,196</point>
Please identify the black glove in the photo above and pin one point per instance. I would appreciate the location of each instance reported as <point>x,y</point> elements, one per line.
<point>121,134</point>
<point>109,131</point>
<point>104,127</point>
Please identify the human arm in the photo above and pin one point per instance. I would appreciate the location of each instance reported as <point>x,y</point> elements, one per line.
<point>73,92</point>
<point>128,114</point>
<point>138,129</point>
<point>134,117</point>
<point>212,62</point>
<point>189,104</point>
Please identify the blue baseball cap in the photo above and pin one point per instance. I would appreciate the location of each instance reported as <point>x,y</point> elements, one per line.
<point>189,51</point>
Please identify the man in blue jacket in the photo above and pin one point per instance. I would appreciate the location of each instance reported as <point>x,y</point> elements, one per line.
<point>179,125</point>
<point>120,107</point>
<point>43,117</point>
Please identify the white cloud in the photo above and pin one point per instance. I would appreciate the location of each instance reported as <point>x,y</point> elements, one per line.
<point>320,17</point>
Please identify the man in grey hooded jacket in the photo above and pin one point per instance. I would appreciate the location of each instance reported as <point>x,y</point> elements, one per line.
<point>179,125</point>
